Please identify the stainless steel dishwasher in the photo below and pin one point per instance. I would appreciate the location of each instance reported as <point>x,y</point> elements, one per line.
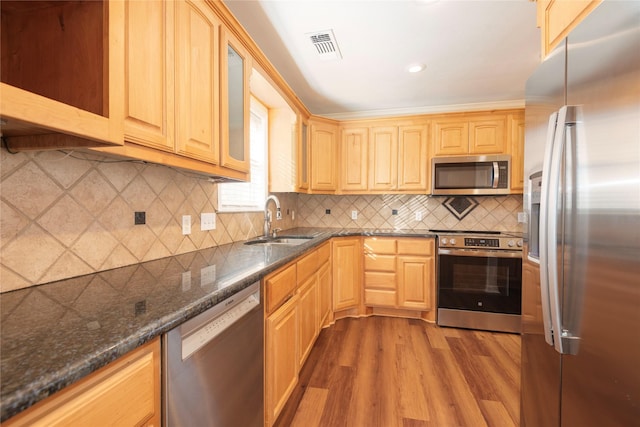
<point>213,366</point>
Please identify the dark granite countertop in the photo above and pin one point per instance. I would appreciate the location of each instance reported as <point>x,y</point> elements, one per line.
<point>54,334</point>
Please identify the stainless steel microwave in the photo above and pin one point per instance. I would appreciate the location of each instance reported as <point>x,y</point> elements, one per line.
<point>471,175</point>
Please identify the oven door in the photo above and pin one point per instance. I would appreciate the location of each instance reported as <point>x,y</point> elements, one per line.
<point>478,280</point>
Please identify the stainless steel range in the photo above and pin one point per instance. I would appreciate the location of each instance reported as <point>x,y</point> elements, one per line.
<point>479,280</point>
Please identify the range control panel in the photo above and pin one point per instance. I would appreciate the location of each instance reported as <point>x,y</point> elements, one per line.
<point>480,242</point>
<point>462,241</point>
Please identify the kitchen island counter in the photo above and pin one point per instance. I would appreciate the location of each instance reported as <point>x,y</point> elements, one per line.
<point>54,334</point>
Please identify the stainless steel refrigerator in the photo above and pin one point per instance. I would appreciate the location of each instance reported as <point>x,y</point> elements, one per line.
<point>581,282</point>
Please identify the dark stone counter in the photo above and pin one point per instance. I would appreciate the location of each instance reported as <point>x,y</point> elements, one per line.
<point>55,334</point>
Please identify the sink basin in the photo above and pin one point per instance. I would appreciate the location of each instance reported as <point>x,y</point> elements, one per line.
<point>282,240</point>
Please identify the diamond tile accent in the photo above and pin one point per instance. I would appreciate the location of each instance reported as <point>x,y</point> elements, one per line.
<point>460,206</point>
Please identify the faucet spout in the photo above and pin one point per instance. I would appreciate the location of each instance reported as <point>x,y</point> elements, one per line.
<point>267,213</point>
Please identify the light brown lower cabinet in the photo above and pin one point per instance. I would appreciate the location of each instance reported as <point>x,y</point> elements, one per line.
<point>399,273</point>
<point>347,272</point>
<point>281,357</point>
<point>297,306</point>
<point>126,392</point>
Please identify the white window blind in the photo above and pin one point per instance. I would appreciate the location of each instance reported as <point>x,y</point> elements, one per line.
<point>250,196</point>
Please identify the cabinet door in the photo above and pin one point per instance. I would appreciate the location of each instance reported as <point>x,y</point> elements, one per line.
<point>124,393</point>
<point>353,163</point>
<point>303,156</point>
<point>415,280</point>
<point>347,273</point>
<point>383,158</point>
<point>323,157</point>
<point>516,134</point>
<point>149,74</point>
<point>197,92</point>
<point>281,364</point>
<point>307,317</point>
<point>450,137</point>
<point>487,135</point>
<point>235,70</point>
<point>557,18</point>
<point>412,158</point>
<point>324,294</point>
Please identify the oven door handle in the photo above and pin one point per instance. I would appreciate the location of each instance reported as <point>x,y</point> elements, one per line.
<point>480,253</point>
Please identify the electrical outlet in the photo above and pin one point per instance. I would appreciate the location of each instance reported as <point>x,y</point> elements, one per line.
<point>418,216</point>
<point>208,221</point>
<point>186,224</point>
<point>354,215</point>
<point>293,215</point>
<point>522,217</point>
<point>139,218</point>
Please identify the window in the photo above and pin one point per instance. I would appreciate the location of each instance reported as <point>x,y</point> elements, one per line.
<point>250,196</point>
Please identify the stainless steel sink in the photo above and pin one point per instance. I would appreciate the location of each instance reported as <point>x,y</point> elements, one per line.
<point>282,240</point>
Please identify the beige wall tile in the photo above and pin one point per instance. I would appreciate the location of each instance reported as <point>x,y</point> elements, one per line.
<point>62,216</point>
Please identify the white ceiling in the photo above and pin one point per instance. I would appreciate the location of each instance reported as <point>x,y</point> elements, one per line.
<point>478,54</point>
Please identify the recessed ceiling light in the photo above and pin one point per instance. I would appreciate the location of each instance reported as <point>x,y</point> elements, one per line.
<point>416,68</point>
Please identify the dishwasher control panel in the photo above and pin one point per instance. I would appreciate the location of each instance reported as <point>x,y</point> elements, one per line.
<point>201,336</point>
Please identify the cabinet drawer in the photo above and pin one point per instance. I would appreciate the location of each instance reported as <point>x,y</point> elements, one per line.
<point>279,286</point>
<point>375,262</point>
<point>380,297</point>
<point>415,246</point>
<point>376,280</point>
<point>380,245</point>
<point>306,266</point>
<point>323,253</point>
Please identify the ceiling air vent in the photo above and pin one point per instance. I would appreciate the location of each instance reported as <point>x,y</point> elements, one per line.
<point>325,44</point>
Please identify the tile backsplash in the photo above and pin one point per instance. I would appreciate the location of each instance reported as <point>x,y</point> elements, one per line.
<point>64,215</point>
<point>393,211</point>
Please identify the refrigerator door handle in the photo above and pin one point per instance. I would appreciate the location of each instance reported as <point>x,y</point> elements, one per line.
<point>543,241</point>
<point>553,207</point>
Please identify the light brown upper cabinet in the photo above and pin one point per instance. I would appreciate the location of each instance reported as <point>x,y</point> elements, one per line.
<point>354,158</point>
<point>384,156</point>
<point>149,74</point>
<point>235,71</point>
<point>198,53</point>
<point>516,133</point>
<point>556,18</point>
<point>61,73</point>
<point>413,158</point>
<point>323,157</point>
<point>175,55</point>
<point>303,155</point>
<point>469,134</point>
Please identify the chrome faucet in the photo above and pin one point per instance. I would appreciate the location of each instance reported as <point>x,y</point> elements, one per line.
<point>267,214</point>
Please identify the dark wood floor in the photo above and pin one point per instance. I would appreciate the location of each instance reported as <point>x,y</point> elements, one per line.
<point>385,372</point>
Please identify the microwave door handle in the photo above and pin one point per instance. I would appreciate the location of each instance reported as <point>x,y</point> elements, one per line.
<point>496,175</point>
<point>542,231</point>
